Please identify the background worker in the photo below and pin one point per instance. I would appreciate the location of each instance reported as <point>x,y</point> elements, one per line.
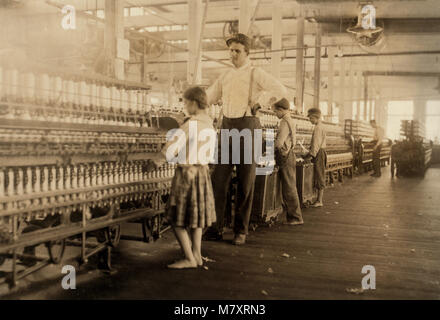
<point>285,159</point>
<point>317,154</point>
<point>377,140</point>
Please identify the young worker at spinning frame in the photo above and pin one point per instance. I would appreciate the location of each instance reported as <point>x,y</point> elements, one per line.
<point>286,162</point>
<point>317,154</point>
<point>190,207</point>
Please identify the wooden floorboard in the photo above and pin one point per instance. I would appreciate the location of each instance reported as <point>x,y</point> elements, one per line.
<point>391,224</point>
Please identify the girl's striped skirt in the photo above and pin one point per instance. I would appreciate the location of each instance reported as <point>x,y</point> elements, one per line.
<point>191,203</point>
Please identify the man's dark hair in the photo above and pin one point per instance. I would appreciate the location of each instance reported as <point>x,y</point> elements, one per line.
<point>242,39</point>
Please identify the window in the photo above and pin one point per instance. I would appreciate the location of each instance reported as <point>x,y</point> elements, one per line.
<point>368,107</point>
<point>164,28</point>
<point>355,110</point>
<point>373,109</point>
<point>397,111</point>
<point>324,107</point>
<point>432,125</point>
<point>100,14</point>
<point>151,29</point>
<point>335,117</point>
<point>361,110</point>
<point>136,11</point>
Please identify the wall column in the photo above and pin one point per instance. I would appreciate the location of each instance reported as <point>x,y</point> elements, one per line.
<point>300,64</point>
<point>331,75</point>
<point>342,102</point>
<point>277,36</point>
<point>245,16</point>
<point>365,98</point>
<point>114,30</point>
<point>350,100</point>
<point>359,94</point>
<point>317,78</point>
<point>194,29</point>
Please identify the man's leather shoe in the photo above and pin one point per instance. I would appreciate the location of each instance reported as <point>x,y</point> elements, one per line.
<point>294,223</point>
<point>239,239</point>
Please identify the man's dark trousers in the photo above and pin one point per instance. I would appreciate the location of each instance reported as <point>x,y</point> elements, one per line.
<point>376,160</point>
<point>246,173</point>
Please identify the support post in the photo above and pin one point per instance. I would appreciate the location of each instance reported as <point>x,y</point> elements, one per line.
<point>194,28</point>
<point>366,98</point>
<point>245,16</point>
<point>114,30</point>
<point>317,79</point>
<point>359,94</point>
<point>277,35</point>
<point>350,92</point>
<point>331,75</point>
<point>342,104</point>
<point>300,64</point>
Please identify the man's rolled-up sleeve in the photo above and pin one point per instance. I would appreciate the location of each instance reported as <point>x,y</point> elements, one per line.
<point>214,92</point>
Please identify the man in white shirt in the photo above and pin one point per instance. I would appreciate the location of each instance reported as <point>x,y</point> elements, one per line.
<point>241,89</point>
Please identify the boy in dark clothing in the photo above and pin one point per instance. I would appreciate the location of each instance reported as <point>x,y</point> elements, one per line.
<point>285,159</point>
<point>317,153</point>
<point>378,137</point>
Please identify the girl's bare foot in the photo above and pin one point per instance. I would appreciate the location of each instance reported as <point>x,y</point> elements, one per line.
<point>198,259</point>
<point>183,264</point>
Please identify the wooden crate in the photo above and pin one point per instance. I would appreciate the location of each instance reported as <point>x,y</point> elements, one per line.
<point>304,183</point>
<point>267,203</point>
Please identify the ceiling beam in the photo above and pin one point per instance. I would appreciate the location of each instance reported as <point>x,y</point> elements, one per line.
<point>401,74</point>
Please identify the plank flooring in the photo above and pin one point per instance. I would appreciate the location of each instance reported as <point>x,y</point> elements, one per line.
<point>391,224</point>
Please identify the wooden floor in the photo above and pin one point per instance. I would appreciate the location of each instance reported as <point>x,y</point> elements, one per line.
<point>393,225</point>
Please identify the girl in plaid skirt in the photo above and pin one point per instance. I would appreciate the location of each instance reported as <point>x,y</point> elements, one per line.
<point>190,207</point>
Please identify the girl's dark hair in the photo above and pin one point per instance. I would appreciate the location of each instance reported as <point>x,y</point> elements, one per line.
<point>198,95</point>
